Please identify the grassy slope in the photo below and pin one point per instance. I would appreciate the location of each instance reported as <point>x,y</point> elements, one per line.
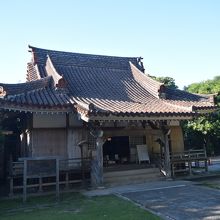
<point>72,206</point>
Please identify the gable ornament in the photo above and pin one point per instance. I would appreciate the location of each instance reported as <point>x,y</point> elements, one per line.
<point>2,92</point>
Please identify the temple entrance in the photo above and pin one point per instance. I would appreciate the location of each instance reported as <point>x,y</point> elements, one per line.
<point>116,150</point>
<point>121,161</point>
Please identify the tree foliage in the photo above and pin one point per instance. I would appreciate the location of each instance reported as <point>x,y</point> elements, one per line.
<point>168,81</point>
<point>204,132</point>
<point>205,87</point>
<point>206,128</point>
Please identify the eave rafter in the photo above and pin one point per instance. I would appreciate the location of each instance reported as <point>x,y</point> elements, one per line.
<point>141,118</point>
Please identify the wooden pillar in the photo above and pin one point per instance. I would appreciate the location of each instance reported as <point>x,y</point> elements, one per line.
<point>57,179</point>
<point>97,164</point>
<point>206,160</point>
<point>25,181</point>
<point>190,166</point>
<point>40,184</point>
<point>11,193</point>
<point>99,144</point>
<point>167,165</point>
<point>206,165</point>
<point>82,165</point>
<point>173,171</point>
<point>67,180</point>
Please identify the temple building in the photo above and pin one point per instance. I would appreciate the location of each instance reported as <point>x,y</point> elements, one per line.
<point>105,108</point>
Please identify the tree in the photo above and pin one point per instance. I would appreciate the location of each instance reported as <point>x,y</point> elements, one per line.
<point>168,81</point>
<point>205,87</point>
<point>206,128</point>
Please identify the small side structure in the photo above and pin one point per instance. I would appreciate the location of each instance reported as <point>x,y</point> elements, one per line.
<point>76,106</point>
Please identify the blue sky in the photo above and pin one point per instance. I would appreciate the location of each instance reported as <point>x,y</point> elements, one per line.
<point>180,39</point>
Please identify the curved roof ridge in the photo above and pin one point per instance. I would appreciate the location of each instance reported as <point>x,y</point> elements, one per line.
<point>83,59</point>
<point>51,70</point>
<point>65,52</point>
<point>145,81</point>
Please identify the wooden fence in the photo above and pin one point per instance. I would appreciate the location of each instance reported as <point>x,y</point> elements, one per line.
<point>39,174</point>
<point>185,162</point>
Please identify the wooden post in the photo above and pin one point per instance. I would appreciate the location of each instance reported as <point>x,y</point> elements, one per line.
<point>206,162</point>
<point>97,164</point>
<point>99,157</point>
<point>25,181</point>
<point>57,179</point>
<point>82,165</point>
<point>167,155</point>
<point>173,170</point>
<point>83,172</point>
<point>67,180</point>
<point>190,166</point>
<point>206,165</point>
<point>11,193</point>
<point>40,184</point>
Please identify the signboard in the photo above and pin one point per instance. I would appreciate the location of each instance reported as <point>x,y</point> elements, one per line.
<point>42,167</point>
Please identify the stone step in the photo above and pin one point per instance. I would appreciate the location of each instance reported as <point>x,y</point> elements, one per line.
<point>131,172</point>
<point>132,176</point>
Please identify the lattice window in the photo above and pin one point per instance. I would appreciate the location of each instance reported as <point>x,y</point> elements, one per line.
<point>91,142</point>
<point>135,140</point>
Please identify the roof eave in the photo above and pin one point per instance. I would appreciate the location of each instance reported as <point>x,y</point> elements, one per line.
<point>141,118</point>
<point>10,106</point>
<point>205,109</point>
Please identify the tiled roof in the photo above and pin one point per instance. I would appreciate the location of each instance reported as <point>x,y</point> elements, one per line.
<point>14,89</point>
<point>186,99</point>
<point>112,91</point>
<point>180,95</point>
<point>39,94</point>
<point>79,59</point>
<point>111,85</point>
